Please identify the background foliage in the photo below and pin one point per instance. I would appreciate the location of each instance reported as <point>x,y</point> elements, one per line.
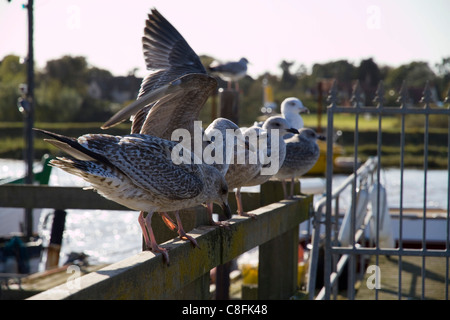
<point>73,98</point>
<point>66,87</point>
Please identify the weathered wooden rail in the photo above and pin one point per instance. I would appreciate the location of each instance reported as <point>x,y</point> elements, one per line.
<point>145,276</point>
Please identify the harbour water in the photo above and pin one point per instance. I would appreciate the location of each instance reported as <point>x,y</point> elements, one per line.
<point>110,236</point>
<point>105,236</point>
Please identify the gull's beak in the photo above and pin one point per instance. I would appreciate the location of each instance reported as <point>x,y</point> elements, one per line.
<point>226,210</point>
<point>292,130</point>
<point>304,110</point>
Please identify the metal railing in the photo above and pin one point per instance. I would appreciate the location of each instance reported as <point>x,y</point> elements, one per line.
<point>339,255</point>
<point>364,174</point>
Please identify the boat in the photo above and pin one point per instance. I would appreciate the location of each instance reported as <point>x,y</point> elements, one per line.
<point>341,163</point>
<point>41,177</point>
<point>20,254</point>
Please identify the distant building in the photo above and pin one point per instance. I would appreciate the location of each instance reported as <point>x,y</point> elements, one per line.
<point>115,89</point>
<point>94,90</point>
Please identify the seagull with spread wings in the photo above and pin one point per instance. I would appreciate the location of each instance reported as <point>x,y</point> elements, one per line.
<point>172,94</point>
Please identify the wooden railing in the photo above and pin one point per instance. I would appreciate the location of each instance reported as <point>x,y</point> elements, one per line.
<point>145,276</point>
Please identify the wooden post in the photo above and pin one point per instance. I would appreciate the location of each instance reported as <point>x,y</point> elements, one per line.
<point>196,290</point>
<point>191,218</point>
<point>56,236</point>
<point>278,258</point>
<point>223,280</point>
<point>277,271</point>
<point>229,105</point>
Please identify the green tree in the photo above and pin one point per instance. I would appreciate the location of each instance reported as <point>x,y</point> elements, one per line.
<point>288,80</point>
<point>57,102</point>
<point>71,71</point>
<point>416,74</point>
<point>342,70</point>
<point>369,76</point>
<point>61,89</point>
<point>12,74</point>
<point>11,70</point>
<point>444,69</point>
<point>444,76</point>
<point>62,92</point>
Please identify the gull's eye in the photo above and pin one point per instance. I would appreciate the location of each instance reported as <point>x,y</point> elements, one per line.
<point>224,190</point>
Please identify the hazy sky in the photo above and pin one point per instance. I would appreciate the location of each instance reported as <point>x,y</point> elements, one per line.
<point>109,33</point>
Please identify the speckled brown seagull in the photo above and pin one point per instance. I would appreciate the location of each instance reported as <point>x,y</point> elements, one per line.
<point>174,91</point>
<point>137,171</point>
<point>176,88</point>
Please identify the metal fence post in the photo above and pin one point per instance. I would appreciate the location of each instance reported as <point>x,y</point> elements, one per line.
<point>332,98</point>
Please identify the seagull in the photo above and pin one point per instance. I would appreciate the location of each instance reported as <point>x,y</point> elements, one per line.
<point>176,88</point>
<point>302,153</point>
<point>281,125</point>
<point>291,108</point>
<point>230,71</point>
<point>172,94</point>
<point>220,128</point>
<point>138,172</point>
<point>251,175</point>
<point>239,171</point>
<point>226,130</point>
<point>209,153</point>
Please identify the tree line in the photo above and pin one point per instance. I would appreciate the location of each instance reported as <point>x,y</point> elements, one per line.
<point>68,89</point>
